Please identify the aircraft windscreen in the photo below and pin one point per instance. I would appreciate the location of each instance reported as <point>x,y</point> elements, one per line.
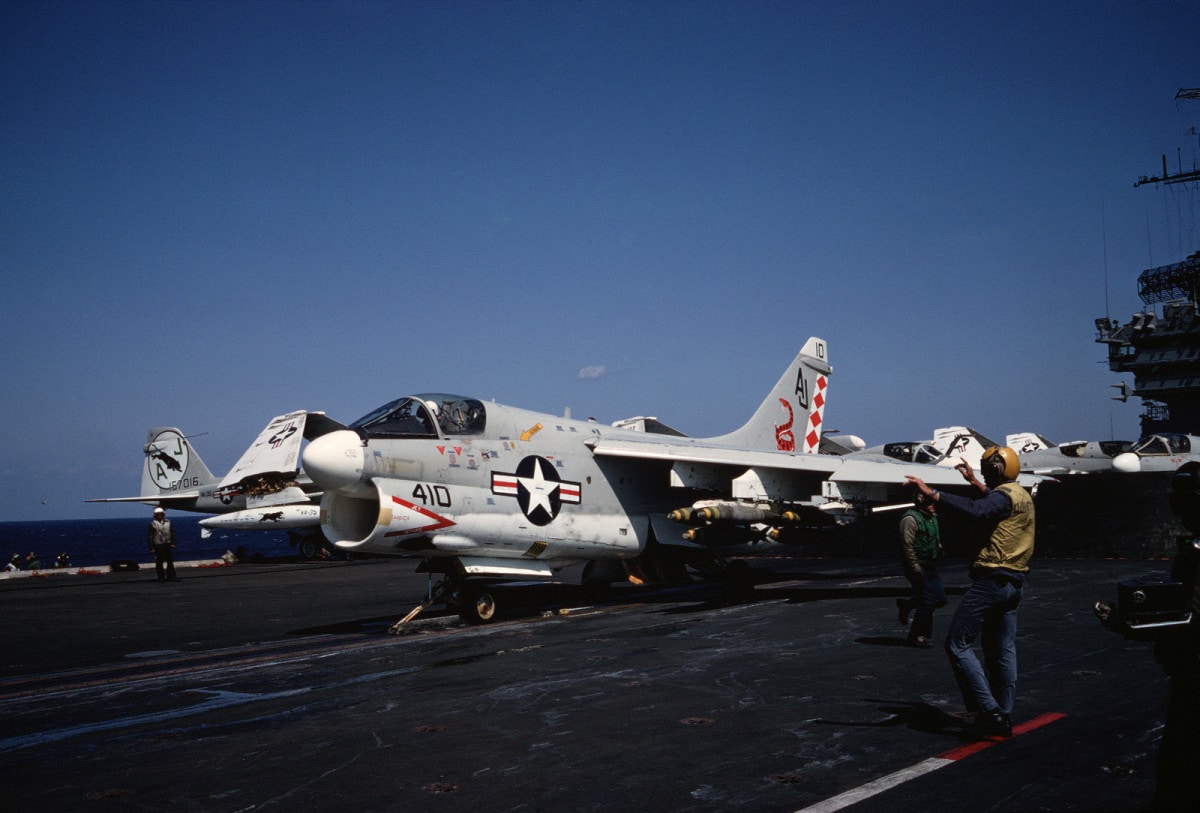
<point>402,418</point>
<point>927,454</point>
<point>421,416</point>
<point>1164,444</point>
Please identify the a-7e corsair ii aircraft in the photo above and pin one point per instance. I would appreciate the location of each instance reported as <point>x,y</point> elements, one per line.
<point>484,491</point>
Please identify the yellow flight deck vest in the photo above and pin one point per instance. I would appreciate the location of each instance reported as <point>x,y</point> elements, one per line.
<point>1011,542</point>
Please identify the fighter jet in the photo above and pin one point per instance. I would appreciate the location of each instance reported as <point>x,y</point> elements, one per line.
<point>262,491</point>
<point>481,491</point>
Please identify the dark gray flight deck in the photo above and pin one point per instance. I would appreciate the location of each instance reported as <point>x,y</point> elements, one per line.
<point>277,687</point>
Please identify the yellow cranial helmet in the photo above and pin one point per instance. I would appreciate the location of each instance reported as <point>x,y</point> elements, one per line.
<point>1004,459</point>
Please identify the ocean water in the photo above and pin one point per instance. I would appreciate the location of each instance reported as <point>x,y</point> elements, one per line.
<point>97,542</point>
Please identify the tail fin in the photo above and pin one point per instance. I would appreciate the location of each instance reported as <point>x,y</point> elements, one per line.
<point>172,465</point>
<point>794,409</point>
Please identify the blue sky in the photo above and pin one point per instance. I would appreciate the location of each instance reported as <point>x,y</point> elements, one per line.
<point>213,213</point>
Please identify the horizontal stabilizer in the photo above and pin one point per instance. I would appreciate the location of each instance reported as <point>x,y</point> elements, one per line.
<point>163,499</point>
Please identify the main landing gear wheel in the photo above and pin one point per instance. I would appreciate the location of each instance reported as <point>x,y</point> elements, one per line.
<point>478,608</point>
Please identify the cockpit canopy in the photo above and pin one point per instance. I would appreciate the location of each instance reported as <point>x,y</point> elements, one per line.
<point>424,416</point>
<point>912,452</point>
<point>1166,443</point>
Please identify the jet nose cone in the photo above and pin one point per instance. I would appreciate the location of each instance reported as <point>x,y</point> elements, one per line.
<point>1127,462</point>
<point>335,461</point>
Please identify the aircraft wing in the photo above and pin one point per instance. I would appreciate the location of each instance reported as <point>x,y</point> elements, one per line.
<point>694,452</point>
<point>276,450</point>
<point>850,469</point>
<point>760,474</point>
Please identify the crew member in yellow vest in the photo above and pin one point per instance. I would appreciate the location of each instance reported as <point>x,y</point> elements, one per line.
<point>988,611</point>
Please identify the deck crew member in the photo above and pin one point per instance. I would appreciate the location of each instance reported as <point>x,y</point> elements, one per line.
<point>989,608</point>
<point>920,549</point>
<point>160,536</point>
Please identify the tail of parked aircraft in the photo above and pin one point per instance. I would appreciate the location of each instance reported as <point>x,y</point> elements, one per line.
<point>173,468</point>
<point>789,420</point>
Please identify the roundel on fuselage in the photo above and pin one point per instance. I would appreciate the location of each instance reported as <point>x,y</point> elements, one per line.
<point>539,489</point>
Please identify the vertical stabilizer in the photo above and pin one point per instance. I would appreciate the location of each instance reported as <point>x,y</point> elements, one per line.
<point>790,419</point>
<point>172,465</point>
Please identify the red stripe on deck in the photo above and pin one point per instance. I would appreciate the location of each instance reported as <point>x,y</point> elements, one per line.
<point>976,747</point>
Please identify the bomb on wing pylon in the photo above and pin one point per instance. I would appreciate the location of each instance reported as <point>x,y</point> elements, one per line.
<point>724,511</point>
<point>725,534</point>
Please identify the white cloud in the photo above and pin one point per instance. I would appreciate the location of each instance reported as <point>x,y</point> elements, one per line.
<point>595,371</point>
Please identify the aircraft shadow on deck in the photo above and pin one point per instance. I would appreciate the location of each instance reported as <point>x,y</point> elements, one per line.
<point>526,601</point>
<point>357,626</point>
<point>803,594</point>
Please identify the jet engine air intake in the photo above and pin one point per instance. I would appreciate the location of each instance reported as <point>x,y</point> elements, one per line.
<point>348,521</point>
<point>352,521</point>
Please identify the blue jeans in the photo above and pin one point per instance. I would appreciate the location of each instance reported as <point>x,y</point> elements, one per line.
<point>928,595</point>
<point>989,609</point>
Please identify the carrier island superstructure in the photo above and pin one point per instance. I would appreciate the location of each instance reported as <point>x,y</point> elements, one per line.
<point>1162,350</point>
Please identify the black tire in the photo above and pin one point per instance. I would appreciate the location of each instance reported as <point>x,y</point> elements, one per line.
<point>308,548</point>
<point>478,608</point>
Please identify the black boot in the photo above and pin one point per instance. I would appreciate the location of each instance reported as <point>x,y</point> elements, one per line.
<point>992,724</point>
